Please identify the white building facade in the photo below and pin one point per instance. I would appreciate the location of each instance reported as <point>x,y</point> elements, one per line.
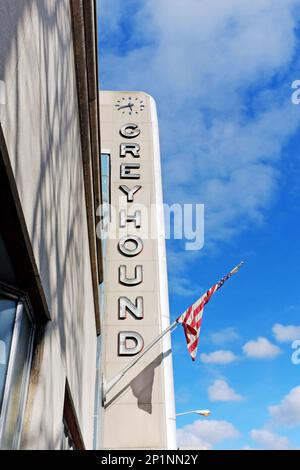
<point>73,306</point>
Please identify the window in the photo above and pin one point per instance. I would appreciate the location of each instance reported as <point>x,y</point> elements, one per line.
<point>16,340</point>
<point>106,216</point>
<point>67,442</point>
<point>71,437</point>
<point>19,281</point>
<point>105,177</point>
<point>105,164</point>
<point>106,195</point>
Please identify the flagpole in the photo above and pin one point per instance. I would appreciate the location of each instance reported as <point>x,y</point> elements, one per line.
<point>107,387</point>
<point>234,270</point>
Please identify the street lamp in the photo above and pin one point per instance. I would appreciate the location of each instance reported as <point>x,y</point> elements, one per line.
<point>197,412</point>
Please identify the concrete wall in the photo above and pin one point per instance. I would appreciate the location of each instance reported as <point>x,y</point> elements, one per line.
<point>41,128</point>
<point>139,411</point>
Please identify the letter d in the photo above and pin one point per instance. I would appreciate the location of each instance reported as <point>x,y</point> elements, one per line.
<point>126,337</point>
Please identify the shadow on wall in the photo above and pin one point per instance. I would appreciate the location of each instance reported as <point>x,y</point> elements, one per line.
<point>142,385</point>
<point>42,131</point>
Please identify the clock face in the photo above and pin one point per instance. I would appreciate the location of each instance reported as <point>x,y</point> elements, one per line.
<point>130,106</point>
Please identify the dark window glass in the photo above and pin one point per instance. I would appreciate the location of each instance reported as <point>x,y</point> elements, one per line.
<point>7,321</point>
<point>16,338</point>
<point>67,442</point>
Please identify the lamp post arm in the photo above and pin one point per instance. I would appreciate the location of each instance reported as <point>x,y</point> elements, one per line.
<point>185,413</point>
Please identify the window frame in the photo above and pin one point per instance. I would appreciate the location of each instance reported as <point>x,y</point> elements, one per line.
<point>67,441</point>
<point>23,307</point>
<point>70,421</point>
<point>106,153</point>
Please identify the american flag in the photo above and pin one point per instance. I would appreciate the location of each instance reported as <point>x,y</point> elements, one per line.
<point>191,319</point>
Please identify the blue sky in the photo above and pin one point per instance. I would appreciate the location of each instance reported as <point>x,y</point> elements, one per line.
<point>221,74</point>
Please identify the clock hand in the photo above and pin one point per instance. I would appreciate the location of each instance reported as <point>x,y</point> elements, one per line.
<point>129,105</point>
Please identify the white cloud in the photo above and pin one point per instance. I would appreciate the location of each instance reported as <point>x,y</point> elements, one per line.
<point>182,286</point>
<point>286,333</point>
<point>288,411</point>
<point>183,395</point>
<point>269,441</point>
<point>218,357</point>
<point>261,348</point>
<point>204,434</point>
<point>220,391</point>
<point>201,71</point>
<point>227,335</point>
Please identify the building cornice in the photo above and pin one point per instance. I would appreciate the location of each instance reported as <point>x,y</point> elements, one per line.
<point>86,64</point>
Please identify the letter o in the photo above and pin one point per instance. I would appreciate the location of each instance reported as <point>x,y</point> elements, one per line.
<point>137,241</point>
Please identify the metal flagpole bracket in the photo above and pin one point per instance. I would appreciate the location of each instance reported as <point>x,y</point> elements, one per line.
<point>103,388</point>
<point>107,386</point>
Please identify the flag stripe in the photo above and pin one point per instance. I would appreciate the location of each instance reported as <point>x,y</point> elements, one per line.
<point>191,319</point>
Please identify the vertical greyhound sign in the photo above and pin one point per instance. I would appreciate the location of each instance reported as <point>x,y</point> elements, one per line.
<point>139,410</point>
<point>130,246</point>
